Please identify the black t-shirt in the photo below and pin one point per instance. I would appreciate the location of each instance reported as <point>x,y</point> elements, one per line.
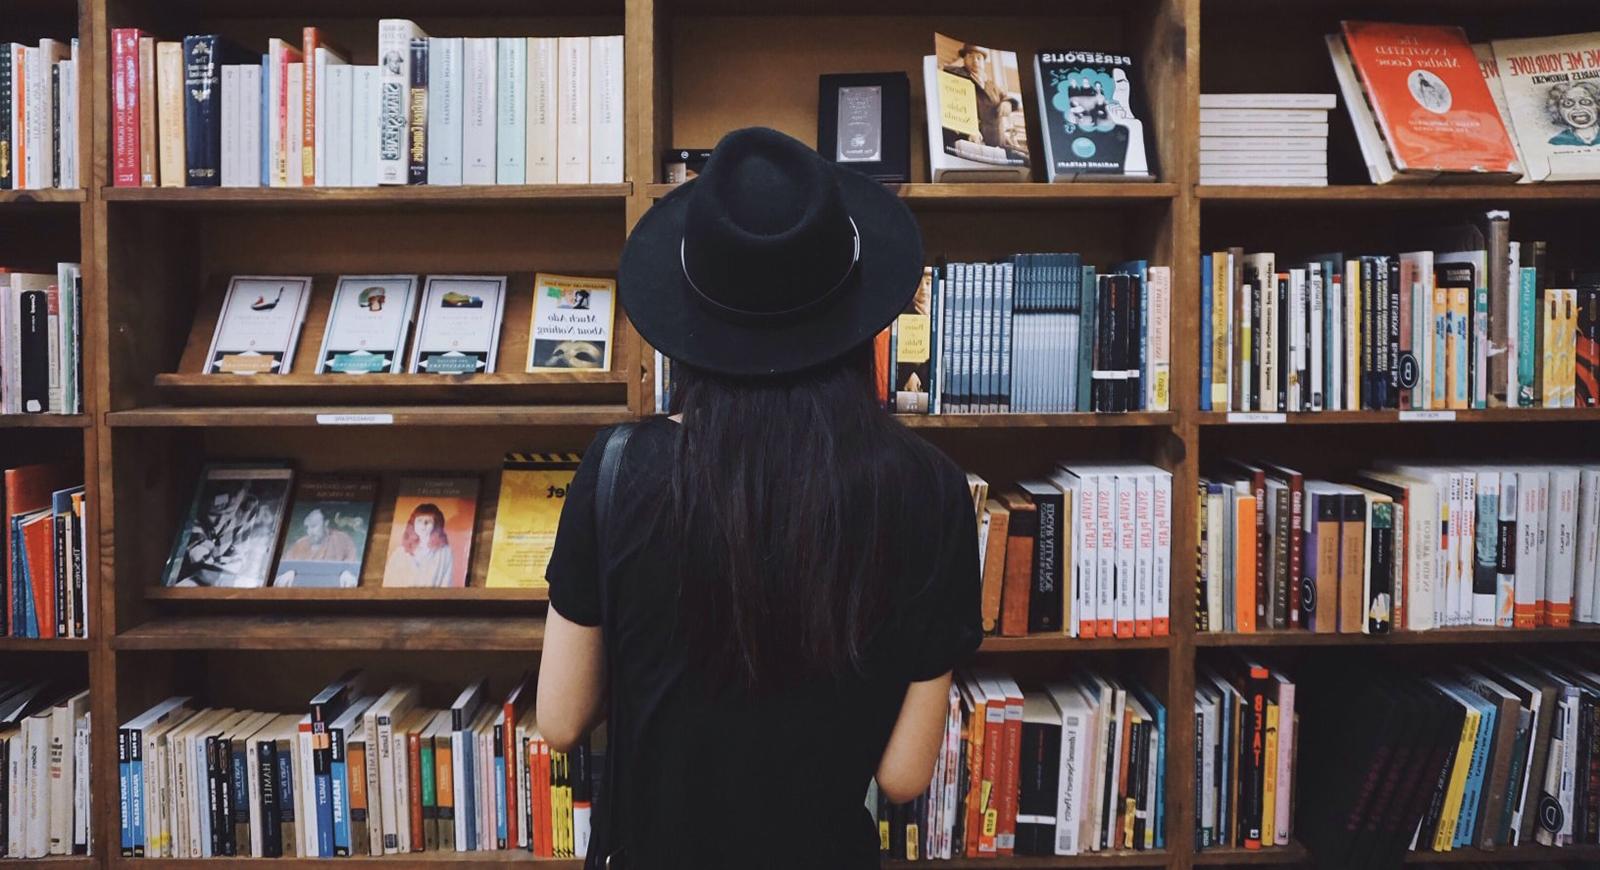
<point>713,776</point>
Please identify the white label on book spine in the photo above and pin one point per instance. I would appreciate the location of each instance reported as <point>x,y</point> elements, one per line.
<point>1255,417</point>
<point>1426,416</point>
<point>355,419</point>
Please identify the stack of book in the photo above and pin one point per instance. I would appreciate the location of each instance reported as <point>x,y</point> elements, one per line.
<point>1076,766</point>
<point>46,595</point>
<point>1083,551</point>
<point>1404,547</point>
<point>1481,755</point>
<point>1264,139</point>
<point>1245,738</point>
<point>361,772</point>
<point>41,341</point>
<point>44,770</point>
<point>39,120</point>
<point>442,110</point>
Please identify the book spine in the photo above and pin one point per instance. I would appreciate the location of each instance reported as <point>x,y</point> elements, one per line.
<point>607,109</point>
<point>8,175</point>
<point>394,82</point>
<point>169,95</point>
<point>1207,315</point>
<point>417,114</point>
<point>511,99</point>
<point>539,164</point>
<point>334,145</point>
<point>445,83</point>
<point>365,100</point>
<point>203,110</point>
<point>572,110</point>
<point>478,116</point>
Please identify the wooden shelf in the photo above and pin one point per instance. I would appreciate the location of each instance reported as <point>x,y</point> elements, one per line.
<point>383,388</point>
<point>45,421</point>
<point>34,644</point>
<point>1482,415</point>
<point>365,633</point>
<point>1576,855</point>
<point>367,415</point>
<point>1150,858</point>
<point>1037,421</point>
<point>554,195</point>
<point>45,196</point>
<point>1437,637</point>
<point>1229,856</point>
<point>358,594</point>
<point>1062,643</point>
<point>1579,193</point>
<point>1011,194</point>
<point>416,861</point>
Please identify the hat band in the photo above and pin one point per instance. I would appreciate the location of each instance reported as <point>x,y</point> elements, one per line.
<point>855,258</point>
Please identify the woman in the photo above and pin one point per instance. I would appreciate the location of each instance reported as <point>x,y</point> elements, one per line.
<point>423,557</point>
<point>786,576</point>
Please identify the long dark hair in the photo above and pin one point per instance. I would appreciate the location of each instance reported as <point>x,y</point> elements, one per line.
<point>784,491</point>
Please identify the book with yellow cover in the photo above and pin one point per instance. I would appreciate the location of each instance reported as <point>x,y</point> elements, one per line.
<point>1444,838</point>
<point>533,487</point>
<point>1269,788</point>
<point>572,321</point>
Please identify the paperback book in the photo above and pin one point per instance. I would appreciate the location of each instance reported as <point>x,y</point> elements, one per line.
<point>231,531</point>
<point>533,489</point>
<point>977,123</point>
<point>259,325</point>
<point>1088,114</point>
<point>458,330</point>
<point>571,326</point>
<point>329,526</point>
<point>430,540</point>
<point>367,324</point>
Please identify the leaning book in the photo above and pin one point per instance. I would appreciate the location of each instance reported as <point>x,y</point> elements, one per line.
<point>572,319</point>
<point>977,123</point>
<point>1552,90</point>
<point>1088,116</point>
<point>458,329</point>
<point>231,531</point>
<point>533,488</point>
<point>329,526</point>
<point>367,324</point>
<point>259,325</point>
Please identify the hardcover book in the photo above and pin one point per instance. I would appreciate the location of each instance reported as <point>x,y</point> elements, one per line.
<point>977,125</point>
<point>458,329</point>
<point>572,320</point>
<point>1552,93</point>
<point>430,541</point>
<point>533,488</point>
<point>329,525</point>
<point>232,527</point>
<point>259,325</point>
<point>367,324</point>
<point>1088,117</point>
<point>394,98</point>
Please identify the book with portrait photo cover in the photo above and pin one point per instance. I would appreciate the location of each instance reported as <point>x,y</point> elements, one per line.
<point>259,325</point>
<point>329,526</point>
<point>1552,93</point>
<point>458,328</point>
<point>977,118</point>
<point>231,531</point>
<point>430,537</point>
<point>571,327</point>
<point>367,324</point>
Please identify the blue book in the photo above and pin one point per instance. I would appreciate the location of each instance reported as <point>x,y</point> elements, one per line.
<point>240,787</point>
<point>500,791</point>
<point>136,790</point>
<point>338,778</point>
<point>203,57</point>
<point>1471,795</point>
<point>1158,801</point>
<point>1205,332</point>
<point>125,792</point>
<point>1088,327</point>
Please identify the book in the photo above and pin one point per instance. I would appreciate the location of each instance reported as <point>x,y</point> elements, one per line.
<point>231,530</point>
<point>572,110</point>
<point>572,323</point>
<point>539,163</point>
<point>977,128</point>
<point>394,98</point>
<point>430,540</point>
<point>458,329</point>
<point>1553,102</point>
<point>204,57</point>
<point>417,114</point>
<point>1090,116</point>
<point>446,84</point>
<point>368,321</point>
<point>533,489</point>
<point>259,325</point>
<point>329,526</point>
<point>174,149</point>
<point>607,109</point>
<point>511,128</point>
<point>479,106</point>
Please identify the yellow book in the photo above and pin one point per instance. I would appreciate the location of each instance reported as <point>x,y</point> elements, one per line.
<point>1569,347</point>
<point>533,487</point>
<point>173,149</point>
<point>1221,313</point>
<point>1551,327</point>
<point>571,323</point>
<point>1460,351</point>
<point>1352,328</point>
<point>1451,813</point>
<point>1269,785</point>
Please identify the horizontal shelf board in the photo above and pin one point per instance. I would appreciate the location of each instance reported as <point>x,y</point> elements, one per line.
<point>1573,855</point>
<point>428,860</point>
<point>45,421</point>
<point>1294,853</point>
<point>1410,194</point>
<point>1062,643</point>
<point>1036,421</point>
<point>33,644</point>
<point>1438,637</point>
<point>1482,415</point>
<point>523,388</point>
<point>373,197</point>
<point>373,415</point>
<point>1150,858</point>
<point>1011,193</point>
<point>360,593</point>
<point>385,633</point>
<point>48,195</point>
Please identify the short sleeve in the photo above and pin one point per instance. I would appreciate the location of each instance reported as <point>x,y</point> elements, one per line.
<point>940,626</point>
<point>574,569</point>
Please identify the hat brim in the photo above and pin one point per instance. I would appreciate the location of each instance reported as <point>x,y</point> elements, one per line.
<point>673,317</point>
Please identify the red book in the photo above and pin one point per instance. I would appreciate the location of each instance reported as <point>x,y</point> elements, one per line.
<point>311,38</point>
<point>28,489</point>
<point>1010,782</point>
<point>414,765</point>
<point>38,545</point>
<point>1429,98</point>
<point>125,106</point>
<point>511,713</point>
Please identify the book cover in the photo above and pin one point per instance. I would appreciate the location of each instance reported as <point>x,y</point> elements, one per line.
<point>329,525</point>
<point>259,325</point>
<point>430,541</point>
<point>458,329</point>
<point>572,322</point>
<point>394,99</point>
<point>204,57</point>
<point>1552,94</point>
<point>367,324</point>
<point>1045,595</point>
<point>977,104</point>
<point>231,530</point>
<point>1088,116</point>
<point>912,350</point>
<point>170,113</point>
<point>533,489</point>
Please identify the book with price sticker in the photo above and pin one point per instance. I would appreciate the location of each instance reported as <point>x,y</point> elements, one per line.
<point>367,324</point>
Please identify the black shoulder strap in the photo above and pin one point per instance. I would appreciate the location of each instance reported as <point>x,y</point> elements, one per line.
<point>606,830</point>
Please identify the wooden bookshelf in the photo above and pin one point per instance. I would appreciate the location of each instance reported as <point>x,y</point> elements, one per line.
<point>156,259</point>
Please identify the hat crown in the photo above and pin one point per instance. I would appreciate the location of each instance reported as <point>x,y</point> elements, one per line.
<point>766,230</point>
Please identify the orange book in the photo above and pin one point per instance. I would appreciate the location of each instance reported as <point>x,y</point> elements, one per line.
<point>546,843</point>
<point>1010,779</point>
<point>1352,563</point>
<point>38,550</point>
<point>356,771</point>
<point>994,563</point>
<point>414,766</point>
<point>1123,830</point>
<point>28,489</point>
<point>1016,581</point>
<point>19,85</point>
<point>994,745</point>
<point>1244,572</point>
<point>1429,98</point>
<point>444,799</point>
<point>976,726</point>
<point>880,367</point>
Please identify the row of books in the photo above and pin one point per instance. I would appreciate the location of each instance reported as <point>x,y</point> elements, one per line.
<point>1072,767</point>
<point>362,772</point>
<point>242,514</point>
<point>1265,139</point>
<point>44,769</point>
<point>39,115</point>
<point>1407,547</point>
<point>1484,754</point>
<point>370,319</point>
<point>1428,105</point>
<point>1083,551</point>
<point>41,341</point>
<point>204,112</point>
<point>1246,727</point>
<point>46,594</point>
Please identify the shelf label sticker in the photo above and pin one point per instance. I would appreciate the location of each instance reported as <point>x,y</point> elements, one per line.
<point>1427,416</point>
<point>1256,417</point>
<point>355,419</point>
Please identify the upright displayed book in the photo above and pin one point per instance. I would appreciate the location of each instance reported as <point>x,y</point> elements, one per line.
<point>533,489</point>
<point>977,123</point>
<point>458,329</point>
<point>368,322</point>
<point>572,321</point>
<point>430,541</point>
<point>1552,94</point>
<point>1091,117</point>
<point>231,531</point>
<point>259,325</point>
<point>329,526</point>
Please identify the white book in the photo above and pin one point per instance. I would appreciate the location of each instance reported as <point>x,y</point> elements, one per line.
<point>458,327</point>
<point>1263,116</point>
<point>1487,488</point>
<point>511,124</point>
<point>1294,131</point>
<point>365,102</point>
<point>1296,340</point>
<point>250,151</point>
<point>81,809</point>
<point>1316,309</point>
<point>1144,536</point>
<point>1268,101</point>
<point>1467,554</point>
<point>1333,305</point>
<point>379,720</point>
<point>296,124</point>
<point>36,791</point>
<point>1082,570</point>
<point>63,772</point>
<point>231,106</point>
<point>479,109</point>
<point>445,84</point>
<point>572,110</point>
<point>1380,165</point>
<point>1161,564</point>
<point>335,123</point>
<point>1212,145</point>
<point>324,60</point>
<point>1527,597</point>
<point>1265,181</point>
<point>1557,147</point>
<point>304,792</point>
<point>1587,573</point>
<point>41,126</point>
<point>607,109</point>
<point>1158,379</point>
<point>539,165</point>
<point>367,324</point>
<point>15,752</point>
<point>375,818</point>
<point>69,120</point>
<point>1126,549</point>
<point>1561,543</point>
<point>1264,170</point>
<point>394,98</point>
<point>259,325</point>
<point>1263,157</point>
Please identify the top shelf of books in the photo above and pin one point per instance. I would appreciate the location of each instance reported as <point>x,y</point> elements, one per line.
<point>1017,194</point>
<point>1405,194</point>
<point>552,195</point>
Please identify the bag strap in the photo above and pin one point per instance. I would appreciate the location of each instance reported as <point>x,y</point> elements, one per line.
<point>607,826</point>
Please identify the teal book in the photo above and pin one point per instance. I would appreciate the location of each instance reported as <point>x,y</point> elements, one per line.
<point>1527,323</point>
<point>1466,828</point>
<point>1088,304</point>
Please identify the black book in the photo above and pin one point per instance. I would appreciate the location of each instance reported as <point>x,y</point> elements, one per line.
<point>1106,324</point>
<point>203,58</point>
<point>1369,322</point>
<point>238,796</point>
<point>8,176</point>
<point>1440,742</point>
<point>55,124</point>
<point>1254,687</point>
<point>417,112</point>
<point>215,799</point>
<point>1391,287</point>
<point>1379,601</point>
<point>1040,774</point>
<point>271,822</point>
<point>1285,359</point>
<point>1354,728</point>
<point>1133,344</point>
<point>1383,798</point>
<point>5,790</point>
<point>34,350</point>
<point>1045,595</point>
<point>1438,778</point>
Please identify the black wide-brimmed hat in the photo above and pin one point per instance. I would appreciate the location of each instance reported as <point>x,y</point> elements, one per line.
<point>771,261</point>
